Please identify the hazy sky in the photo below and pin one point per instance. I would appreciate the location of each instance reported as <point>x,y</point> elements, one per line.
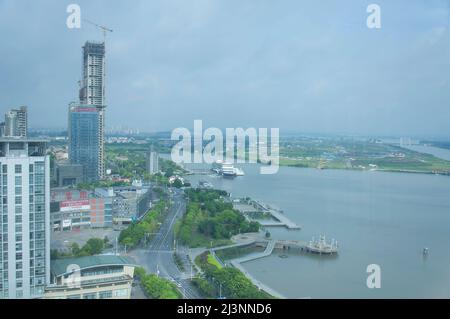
<point>310,66</point>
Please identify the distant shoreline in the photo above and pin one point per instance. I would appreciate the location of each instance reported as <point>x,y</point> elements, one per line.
<point>387,170</point>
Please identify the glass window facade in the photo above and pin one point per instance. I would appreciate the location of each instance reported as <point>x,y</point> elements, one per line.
<point>24,251</point>
<point>4,293</point>
<point>85,140</point>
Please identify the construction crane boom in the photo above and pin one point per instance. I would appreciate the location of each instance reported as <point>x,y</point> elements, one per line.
<point>101,27</point>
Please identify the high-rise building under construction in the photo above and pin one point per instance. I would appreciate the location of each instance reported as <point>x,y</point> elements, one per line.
<point>92,100</point>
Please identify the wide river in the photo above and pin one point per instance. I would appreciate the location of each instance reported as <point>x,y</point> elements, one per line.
<point>378,218</point>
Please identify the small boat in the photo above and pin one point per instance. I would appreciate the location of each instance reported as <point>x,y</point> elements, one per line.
<point>204,184</point>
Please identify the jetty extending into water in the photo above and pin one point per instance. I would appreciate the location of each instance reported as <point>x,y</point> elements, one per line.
<point>247,206</point>
<point>198,171</point>
<point>237,263</point>
<point>320,246</point>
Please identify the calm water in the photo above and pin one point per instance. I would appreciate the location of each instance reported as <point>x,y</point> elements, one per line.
<point>378,218</point>
<point>436,151</point>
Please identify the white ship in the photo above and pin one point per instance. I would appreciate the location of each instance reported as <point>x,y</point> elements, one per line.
<point>226,169</point>
<point>217,166</point>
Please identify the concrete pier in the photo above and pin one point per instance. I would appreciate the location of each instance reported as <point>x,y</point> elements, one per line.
<point>267,252</point>
<point>281,220</point>
<point>319,247</point>
<point>237,263</point>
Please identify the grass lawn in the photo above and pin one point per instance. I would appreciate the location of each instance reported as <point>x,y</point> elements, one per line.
<point>213,261</point>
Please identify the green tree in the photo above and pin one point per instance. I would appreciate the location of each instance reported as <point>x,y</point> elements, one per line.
<point>93,246</point>
<point>177,183</point>
<point>75,249</point>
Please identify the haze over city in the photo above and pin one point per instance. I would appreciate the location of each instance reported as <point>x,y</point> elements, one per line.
<point>308,67</point>
<point>236,153</point>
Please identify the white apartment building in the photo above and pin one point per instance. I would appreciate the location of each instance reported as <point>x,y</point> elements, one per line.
<point>25,217</point>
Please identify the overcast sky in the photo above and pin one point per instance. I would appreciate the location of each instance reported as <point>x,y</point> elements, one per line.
<point>308,66</point>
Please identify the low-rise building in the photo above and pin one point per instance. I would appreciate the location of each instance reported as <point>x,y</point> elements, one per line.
<point>92,277</point>
<point>131,203</point>
<point>77,209</point>
<point>67,174</point>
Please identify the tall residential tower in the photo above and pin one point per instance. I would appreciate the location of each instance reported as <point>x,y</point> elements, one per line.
<point>16,122</point>
<point>152,162</point>
<point>25,217</point>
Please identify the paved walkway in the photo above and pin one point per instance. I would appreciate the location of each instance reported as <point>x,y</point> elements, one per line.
<point>239,240</point>
<point>244,240</point>
<point>267,252</point>
<point>237,263</point>
<point>137,292</point>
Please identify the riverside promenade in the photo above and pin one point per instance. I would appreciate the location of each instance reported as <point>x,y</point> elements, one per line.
<point>237,263</point>
<point>242,240</point>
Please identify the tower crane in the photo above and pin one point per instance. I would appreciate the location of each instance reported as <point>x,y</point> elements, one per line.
<point>101,27</point>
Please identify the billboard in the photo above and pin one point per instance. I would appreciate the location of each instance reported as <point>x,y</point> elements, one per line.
<point>68,206</point>
<point>66,223</point>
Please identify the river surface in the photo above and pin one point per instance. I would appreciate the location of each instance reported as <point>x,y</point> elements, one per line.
<point>436,151</point>
<point>377,217</point>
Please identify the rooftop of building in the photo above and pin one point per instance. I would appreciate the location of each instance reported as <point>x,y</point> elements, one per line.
<point>23,139</point>
<point>127,194</point>
<point>94,43</point>
<point>67,164</point>
<point>15,146</point>
<point>59,266</point>
<point>94,47</point>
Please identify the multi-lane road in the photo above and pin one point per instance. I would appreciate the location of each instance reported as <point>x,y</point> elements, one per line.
<point>158,256</point>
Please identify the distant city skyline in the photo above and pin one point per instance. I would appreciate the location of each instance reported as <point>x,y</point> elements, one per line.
<point>302,66</point>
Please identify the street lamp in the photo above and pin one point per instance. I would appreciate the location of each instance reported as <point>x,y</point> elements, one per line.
<point>220,287</point>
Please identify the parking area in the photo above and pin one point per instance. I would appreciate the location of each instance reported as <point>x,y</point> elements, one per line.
<point>62,240</point>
